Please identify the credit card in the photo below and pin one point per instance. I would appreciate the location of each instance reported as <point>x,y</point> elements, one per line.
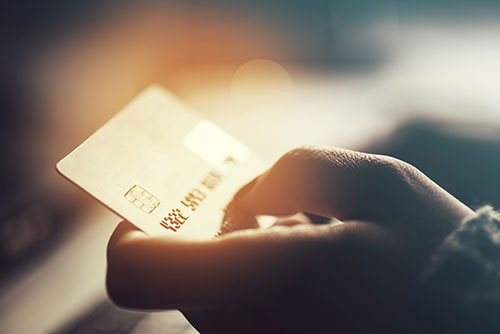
<point>162,167</point>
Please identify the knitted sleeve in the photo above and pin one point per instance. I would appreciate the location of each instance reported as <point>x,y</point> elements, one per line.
<point>459,291</point>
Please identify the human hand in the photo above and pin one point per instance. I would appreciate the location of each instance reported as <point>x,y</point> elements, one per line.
<point>347,278</point>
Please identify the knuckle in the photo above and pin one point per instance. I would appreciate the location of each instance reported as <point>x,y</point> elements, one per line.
<point>391,176</point>
<point>398,169</point>
<point>386,165</point>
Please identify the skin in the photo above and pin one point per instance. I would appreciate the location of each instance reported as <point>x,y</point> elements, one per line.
<point>298,277</point>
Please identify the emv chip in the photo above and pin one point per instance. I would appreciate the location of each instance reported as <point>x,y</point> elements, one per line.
<point>142,199</point>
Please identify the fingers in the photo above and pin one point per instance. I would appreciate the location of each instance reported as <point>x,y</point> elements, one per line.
<point>126,229</point>
<point>325,181</point>
<point>347,185</point>
<point>124,232</point>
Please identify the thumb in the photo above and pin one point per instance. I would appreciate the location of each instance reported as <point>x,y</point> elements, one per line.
<point>357,186</point>
<point>330,182</point>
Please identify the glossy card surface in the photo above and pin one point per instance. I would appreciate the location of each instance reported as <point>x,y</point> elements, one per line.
<point>162,167</point>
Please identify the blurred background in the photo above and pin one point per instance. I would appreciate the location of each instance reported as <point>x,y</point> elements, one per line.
<point>419,80</point>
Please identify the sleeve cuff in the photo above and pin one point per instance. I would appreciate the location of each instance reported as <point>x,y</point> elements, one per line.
<point>459,291</point>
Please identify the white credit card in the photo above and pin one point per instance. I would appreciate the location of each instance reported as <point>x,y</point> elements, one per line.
<point>162,167</point>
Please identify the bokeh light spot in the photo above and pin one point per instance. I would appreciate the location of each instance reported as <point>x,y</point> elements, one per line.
<point>261,83</point>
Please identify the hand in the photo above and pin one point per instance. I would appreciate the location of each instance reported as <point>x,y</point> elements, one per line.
<point>300,278</point>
